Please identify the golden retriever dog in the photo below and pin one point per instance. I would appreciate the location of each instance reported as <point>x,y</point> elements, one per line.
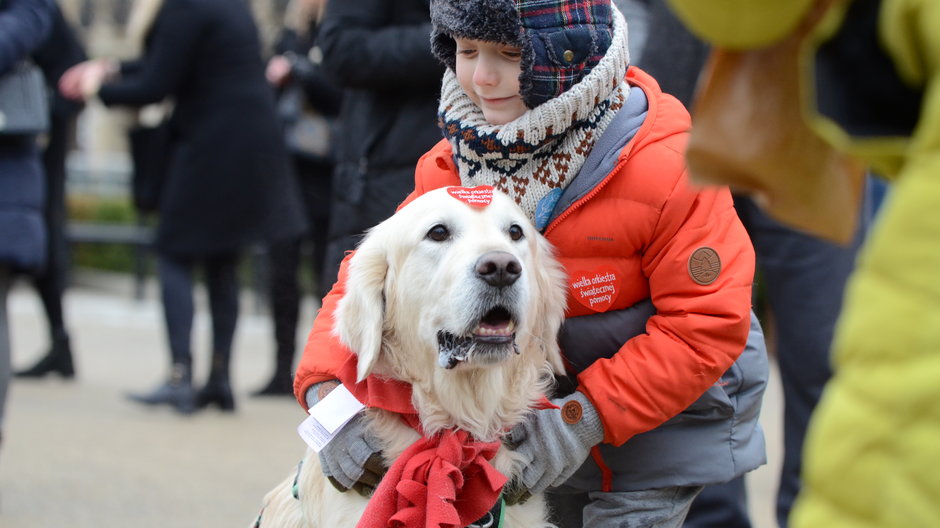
<point>463,300</point>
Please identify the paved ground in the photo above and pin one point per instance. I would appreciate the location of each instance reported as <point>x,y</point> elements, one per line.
<point>77,454</point>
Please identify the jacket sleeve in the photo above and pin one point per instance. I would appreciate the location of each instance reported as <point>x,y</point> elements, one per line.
<point>363,50</point>
<point>324,354</point>
<point>698,330</point>
<point>319,89</point>
<point>168,59</point>
<point>24,26</point>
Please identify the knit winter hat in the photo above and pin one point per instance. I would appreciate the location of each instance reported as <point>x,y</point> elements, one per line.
<point>561,40</point>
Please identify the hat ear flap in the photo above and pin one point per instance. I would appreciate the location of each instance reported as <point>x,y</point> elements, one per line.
<point>444,48</point>
<point>360,315</point>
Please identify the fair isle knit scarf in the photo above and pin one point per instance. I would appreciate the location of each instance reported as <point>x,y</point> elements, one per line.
<point>534,157</point>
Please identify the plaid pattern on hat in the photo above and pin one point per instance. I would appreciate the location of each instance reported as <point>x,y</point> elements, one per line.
<point>561,40</point>
<point>567,38</point>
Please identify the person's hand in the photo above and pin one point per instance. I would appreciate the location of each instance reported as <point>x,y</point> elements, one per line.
<point>95,74</point>
<point>278,70</point>
<point>553,443</point>
<point>70,83</point>
<point>353,459</point>
<point>82,81</point>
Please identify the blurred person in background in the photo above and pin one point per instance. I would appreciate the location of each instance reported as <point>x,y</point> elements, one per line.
<point>308,102</point>
<point>61,50</point>
<point>228,182</point>
<point>24,26</point>
<point>848,86</point>
<point>379,53</point>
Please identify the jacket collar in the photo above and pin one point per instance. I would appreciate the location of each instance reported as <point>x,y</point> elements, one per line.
<point>607,151</point>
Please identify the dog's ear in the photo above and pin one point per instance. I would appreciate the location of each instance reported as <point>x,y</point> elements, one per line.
<point>551,281</point>
<point>360,315</point>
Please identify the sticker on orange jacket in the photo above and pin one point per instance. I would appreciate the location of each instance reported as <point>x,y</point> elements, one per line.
<point>473,196</point>
<point>596,289</point>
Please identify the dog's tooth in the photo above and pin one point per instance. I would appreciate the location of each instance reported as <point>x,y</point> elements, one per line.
<point>489,331</point>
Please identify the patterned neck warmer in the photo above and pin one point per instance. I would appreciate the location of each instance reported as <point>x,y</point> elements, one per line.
<point>533,158</point>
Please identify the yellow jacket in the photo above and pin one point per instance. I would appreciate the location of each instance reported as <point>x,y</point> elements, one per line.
<point>874,445</point>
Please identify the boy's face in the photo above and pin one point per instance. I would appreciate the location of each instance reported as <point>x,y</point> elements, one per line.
<point>489,73</point>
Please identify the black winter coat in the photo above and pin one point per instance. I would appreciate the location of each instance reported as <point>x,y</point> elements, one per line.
<point>228,183</point>
<point>24,25</point>
<point>61,50</point>
<point>379,52</point>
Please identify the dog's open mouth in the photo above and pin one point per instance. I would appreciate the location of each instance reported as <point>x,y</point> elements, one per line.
<point>491,340</point>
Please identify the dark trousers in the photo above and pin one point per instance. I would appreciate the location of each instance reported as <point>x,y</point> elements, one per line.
<point>176,282</point>
<point>53,279</point>
<point>720,506</point>
<point>803,279</point>
<point>285,258</point>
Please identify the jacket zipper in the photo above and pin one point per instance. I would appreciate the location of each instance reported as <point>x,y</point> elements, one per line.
<point>597,188</point>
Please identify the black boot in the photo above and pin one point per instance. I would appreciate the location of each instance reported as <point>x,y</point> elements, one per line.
<point>217,390</point>
<point>280,385</point>
<point>176,392</point>
<point>58,361</point>
<point>216,393</point>
<point>282,382</point>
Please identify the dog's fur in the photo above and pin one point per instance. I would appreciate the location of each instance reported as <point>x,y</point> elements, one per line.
<point>404,289</point>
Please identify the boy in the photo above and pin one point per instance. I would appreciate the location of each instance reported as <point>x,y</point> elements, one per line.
<point>538,101</point>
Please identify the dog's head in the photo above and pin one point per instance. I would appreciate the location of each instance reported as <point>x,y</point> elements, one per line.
<point>452,281</point>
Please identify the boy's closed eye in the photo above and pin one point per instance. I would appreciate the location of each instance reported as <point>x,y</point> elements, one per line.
<point>469,48</point>
<point>511,52</point>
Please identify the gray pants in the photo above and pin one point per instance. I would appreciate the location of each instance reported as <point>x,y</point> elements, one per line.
<point>658,508</point>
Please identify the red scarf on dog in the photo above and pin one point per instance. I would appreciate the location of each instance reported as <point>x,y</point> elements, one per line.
<point>443,481</point>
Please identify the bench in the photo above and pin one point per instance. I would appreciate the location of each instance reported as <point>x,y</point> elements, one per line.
<point>139,237</point>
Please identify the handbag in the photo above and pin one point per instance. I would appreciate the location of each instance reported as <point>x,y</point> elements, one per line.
<point>307,133</point>
<point>151,145</point>
<point>24,102</point>
<point>749,131</point>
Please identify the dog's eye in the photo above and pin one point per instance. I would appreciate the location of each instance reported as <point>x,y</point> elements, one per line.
<point>438,233</point>
<point>515,232</point>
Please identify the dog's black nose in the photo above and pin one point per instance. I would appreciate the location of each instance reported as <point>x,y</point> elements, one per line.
<point>498,268</point>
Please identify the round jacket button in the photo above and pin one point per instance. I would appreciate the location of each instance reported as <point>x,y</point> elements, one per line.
<point>568,55</point>
<point>571,412</point>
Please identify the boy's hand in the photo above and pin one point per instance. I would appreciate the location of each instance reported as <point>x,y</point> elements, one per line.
<point>353,459</point>
<point>555,442</point>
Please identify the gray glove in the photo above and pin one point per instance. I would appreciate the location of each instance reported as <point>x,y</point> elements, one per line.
<point>553,444</point>
<point>353,458</point>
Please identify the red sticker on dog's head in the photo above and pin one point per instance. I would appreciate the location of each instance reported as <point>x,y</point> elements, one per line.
<point>473,196</point>
<point>597,289</point>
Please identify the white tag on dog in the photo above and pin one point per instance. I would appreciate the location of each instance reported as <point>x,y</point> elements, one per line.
<point>328,416</point>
